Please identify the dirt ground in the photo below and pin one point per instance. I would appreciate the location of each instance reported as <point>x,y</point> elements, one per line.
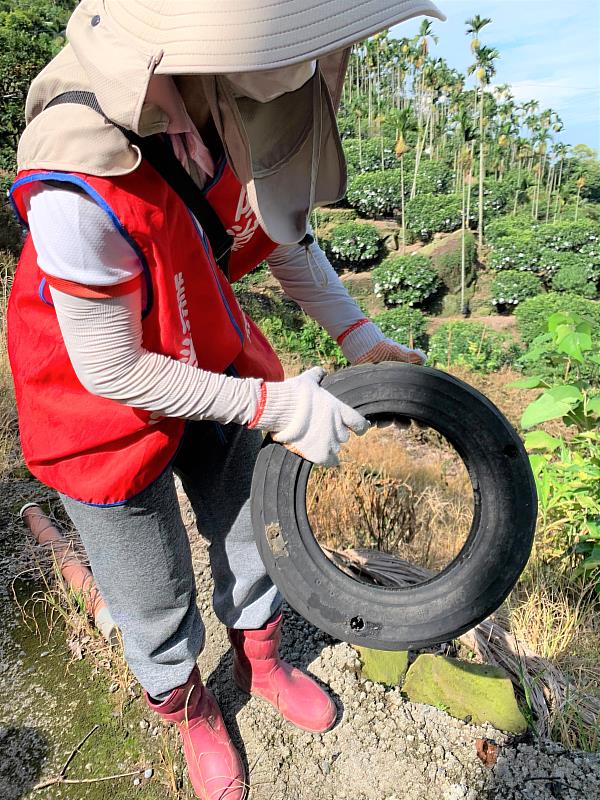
<point>382,748</point>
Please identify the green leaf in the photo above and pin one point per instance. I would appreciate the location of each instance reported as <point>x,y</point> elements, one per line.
<point>559,318</point>
<point>534,382</point>
<point>593,560</point>
<point>553,404</point>
<point>594,532</point>
<point>540,440</point>
<point>593,405</point>
<point>575,345</point>
<point>538,463</point>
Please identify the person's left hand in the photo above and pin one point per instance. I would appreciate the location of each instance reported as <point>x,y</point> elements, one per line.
<point>389,350</point>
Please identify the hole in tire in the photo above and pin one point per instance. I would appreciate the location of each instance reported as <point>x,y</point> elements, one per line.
<point>399,508</point>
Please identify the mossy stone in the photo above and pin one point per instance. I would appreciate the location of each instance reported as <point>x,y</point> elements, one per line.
<point>384,666</point>
<point>445,255</point>
<point>464,689</point>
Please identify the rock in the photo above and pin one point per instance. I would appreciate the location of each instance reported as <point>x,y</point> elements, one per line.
<point>464,689</point>
<point>383,666</point>
<point>148,773</point>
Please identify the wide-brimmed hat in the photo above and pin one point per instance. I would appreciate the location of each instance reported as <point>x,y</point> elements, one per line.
<point>287,151</point>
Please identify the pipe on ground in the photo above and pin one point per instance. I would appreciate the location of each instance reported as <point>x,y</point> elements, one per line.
<point>76,574</point>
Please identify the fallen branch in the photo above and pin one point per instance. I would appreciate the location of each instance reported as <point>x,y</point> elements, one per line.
<point>61,779</point>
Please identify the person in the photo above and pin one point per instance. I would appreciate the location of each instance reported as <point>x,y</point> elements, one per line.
<point>133,361</point>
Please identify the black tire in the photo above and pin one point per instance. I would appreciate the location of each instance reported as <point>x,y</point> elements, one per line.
<point>472,586</point>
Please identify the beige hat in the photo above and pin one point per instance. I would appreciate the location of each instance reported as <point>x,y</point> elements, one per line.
<point>204,36</point>
<point>287,151</point>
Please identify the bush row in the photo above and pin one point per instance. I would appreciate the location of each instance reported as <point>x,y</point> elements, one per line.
<point>565,256</point>
<point>432,210</point>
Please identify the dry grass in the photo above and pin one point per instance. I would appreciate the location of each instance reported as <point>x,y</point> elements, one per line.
<point>9,451</point>
<point>405,492</point>
<point>558,618</point>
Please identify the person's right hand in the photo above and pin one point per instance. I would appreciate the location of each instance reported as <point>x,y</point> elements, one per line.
<point>306,418</point>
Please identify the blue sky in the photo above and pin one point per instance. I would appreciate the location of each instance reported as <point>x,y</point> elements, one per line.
<point>549,51</point>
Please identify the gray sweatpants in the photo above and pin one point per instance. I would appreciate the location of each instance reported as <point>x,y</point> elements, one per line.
<point>140,555</point>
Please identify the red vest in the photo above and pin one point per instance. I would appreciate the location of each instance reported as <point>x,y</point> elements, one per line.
<point>94,449</point>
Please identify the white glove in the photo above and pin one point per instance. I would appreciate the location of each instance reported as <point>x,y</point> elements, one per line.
<point>389,350</point>
<point>307,419</point>
<point>367,344</point>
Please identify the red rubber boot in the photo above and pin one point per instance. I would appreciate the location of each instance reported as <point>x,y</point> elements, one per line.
<point>214,765</point>
<point>257,669</point>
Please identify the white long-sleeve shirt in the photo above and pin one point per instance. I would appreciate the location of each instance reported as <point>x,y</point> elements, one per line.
<point>77,244</point>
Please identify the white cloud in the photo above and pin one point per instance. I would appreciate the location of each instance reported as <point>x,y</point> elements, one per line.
<point>549,51</point>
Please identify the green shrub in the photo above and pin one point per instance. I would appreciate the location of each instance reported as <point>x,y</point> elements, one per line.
<point>563,236</point>
<point>472,345</point>
<point>517,252</point>
<point>550,261</point>
<point>329,216</point>
<point>510,287</point>
<point>309,341</point>
<point>375,194</point>
<point>567,471</point>
<point>346,125</point>
<point>429,213</point>
<point>405,325</point>
<point>574,277</point>
<point>354,244</point>
<point>507,228</point>
<point>367,158</point>
<point>590,255</point>
<point>434,177</point>
<point>405,280</point>
<point>496,195</point>
<point>314,344</point>
<point>544,249</point>
<point>532,313</point>
<point>567,351</point>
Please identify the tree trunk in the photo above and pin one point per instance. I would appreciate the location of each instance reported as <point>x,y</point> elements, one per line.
<point>549,191</point>
<point>559,183</point>
<point>360,161</point>
<point>463,248</point>
<point>420,148</point>
<point>402,203</point>
<point>481,171</point>
<point>517,190</point>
